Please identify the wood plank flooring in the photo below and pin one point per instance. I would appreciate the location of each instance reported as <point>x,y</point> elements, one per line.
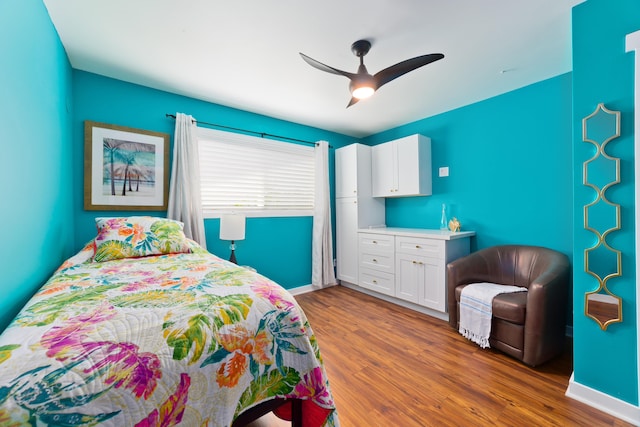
<point>391,366</point>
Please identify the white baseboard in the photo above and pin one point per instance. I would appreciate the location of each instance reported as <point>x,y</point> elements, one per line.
<point>397,301</point>
<point>306,288</point>
<point>603,402</point>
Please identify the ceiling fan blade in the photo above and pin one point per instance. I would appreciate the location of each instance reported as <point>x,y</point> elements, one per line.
<point>397,70</point>
<point>353,101</point>
<point>323,67</point>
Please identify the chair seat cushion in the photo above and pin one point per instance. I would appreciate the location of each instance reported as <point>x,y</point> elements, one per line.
<point>511,307</point>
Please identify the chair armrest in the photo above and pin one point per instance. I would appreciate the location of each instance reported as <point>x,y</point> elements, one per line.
<point>468,269</point>
<point>545,321</point>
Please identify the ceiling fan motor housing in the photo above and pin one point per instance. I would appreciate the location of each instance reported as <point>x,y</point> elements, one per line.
<point>361,48</point>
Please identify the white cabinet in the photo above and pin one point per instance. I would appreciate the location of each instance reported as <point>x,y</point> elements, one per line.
<point>377,263</point>
<point>420,259</point>
<point>421,267</point>
<point>346,245</point>
<point>353,171</point>
<point>355,208</point>
<point>402,167</point>
<point>411,273</point>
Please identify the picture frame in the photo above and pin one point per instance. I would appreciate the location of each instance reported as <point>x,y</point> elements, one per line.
<point>125,168</point>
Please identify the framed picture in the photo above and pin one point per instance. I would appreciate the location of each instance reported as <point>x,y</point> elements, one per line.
<point>125,168</point>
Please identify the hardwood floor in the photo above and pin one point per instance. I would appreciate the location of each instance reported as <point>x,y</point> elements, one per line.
<point>390,366</point>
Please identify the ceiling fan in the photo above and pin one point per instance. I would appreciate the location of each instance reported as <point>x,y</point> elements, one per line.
<point>363,84</point>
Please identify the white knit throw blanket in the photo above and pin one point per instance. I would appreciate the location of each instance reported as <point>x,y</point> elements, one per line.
<point>475,310</point>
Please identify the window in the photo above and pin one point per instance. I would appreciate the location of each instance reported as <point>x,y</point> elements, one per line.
<point>254,176</point>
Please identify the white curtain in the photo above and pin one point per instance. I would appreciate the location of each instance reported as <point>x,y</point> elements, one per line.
<point>322,273</point>
<point>185,204</point>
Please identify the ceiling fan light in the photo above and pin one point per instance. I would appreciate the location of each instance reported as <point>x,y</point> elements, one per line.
<point>362,92</point>
<point>362,86</point>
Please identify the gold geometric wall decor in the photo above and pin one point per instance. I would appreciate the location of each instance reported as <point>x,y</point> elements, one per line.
<point>601,216</point>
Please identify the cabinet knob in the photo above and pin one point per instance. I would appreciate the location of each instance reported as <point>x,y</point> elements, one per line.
<point>418,246</point>
<point>375,281</point>
<point>375,242</point>
<point>374,260</point>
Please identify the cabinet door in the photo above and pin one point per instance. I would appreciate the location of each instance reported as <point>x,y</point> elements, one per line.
<point>433,289</point>
<point>410,275</point>
<point>346,171</point>
<point>353,171</point>
<point>402,167</point>
<point>347,239</point>
<point>407,167</point>
<point>383,171</point>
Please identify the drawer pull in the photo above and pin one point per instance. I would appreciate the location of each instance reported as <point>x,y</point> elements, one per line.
<point>375,242</point>
<point>374,260</point>
<point>375,281</point>
<point>418,246</point>
<point>417,262</point>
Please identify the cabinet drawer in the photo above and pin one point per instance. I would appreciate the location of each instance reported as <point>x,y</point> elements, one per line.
<point>416,246</point>
<point>378,281</point>
<point>376,243</point>
<point>379,262</point>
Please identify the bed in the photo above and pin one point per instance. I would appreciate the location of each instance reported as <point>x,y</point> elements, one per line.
<point>143,327</point>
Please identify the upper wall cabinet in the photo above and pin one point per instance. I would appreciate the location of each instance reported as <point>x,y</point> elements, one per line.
<point>353,171</point>
<point>402,167</point>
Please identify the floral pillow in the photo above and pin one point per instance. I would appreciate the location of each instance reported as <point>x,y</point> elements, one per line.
<point>138,236</point>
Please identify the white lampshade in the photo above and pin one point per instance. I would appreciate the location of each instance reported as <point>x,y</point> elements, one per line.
<point>232,227</point>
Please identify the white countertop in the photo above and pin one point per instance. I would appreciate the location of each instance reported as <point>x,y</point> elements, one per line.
<point>419,232</point>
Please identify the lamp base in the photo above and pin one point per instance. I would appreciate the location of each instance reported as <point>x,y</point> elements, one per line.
<point>232,258</point>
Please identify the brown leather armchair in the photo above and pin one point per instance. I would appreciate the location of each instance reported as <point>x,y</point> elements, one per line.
<point>529,326</point>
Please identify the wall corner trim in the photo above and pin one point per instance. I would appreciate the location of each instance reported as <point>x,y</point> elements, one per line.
<point>633,44</point>
<point>603,402</point>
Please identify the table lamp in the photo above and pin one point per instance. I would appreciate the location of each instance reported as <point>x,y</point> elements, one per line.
<point>232,228</point>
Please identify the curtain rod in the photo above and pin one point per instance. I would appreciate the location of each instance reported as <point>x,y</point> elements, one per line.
<point>262,134</point>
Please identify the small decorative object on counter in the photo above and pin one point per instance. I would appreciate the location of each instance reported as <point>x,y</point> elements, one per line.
<point>454,224</point>
<point>443,218</point>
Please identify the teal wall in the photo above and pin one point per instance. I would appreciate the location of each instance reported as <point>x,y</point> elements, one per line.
<point>603,72</point>
<point>36,220</point>
<point>279,248</point>
<point>509,160</point>
<point>513,177</point>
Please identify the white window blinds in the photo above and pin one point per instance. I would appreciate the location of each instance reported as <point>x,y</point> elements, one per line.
<point>254,176</point>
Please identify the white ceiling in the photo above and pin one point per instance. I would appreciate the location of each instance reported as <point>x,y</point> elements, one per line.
<point>244,54</point>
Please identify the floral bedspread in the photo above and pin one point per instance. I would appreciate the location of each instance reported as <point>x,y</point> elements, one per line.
<point>180,339</point>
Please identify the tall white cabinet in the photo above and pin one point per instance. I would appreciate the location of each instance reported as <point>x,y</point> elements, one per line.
<point>355,206</point>
<point>404,266</point>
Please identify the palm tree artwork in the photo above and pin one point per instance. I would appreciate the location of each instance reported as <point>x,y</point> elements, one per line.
<point>124,161</point>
